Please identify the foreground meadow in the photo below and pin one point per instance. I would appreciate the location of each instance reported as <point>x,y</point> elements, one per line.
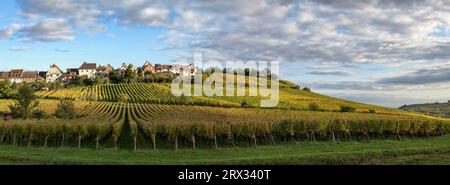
<point>435,150</point>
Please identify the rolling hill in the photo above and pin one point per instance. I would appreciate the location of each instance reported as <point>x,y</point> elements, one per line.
<point>435,109</point>
<point>290,98</point>
<point>152,117</point>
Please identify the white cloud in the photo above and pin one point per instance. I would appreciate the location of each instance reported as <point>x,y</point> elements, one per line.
<point>47,31</point>
<point>18,48</point>
<point>9,31</point>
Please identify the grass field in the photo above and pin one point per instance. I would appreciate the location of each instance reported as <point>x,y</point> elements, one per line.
<point>435,150</point>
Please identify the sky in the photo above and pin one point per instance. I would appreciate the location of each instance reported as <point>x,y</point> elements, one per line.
<point>384,52</point>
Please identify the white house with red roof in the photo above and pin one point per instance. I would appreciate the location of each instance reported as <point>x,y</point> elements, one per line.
<point>54,74</point>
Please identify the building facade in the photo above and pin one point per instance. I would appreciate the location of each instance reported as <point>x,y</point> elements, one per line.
<point>103,71</point>
<point>148,68</point>
<point>88,70</point>
<point>53,74</point>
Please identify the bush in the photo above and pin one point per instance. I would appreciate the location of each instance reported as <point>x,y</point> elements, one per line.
<point>122,97</point>
<point>372,111</point>
<point>314,107</point>
<point>183,100</point>
<point>307,89</point>
<point>92,96</point>
<point>65,110</point>
<point>347,108</point>
<point>38,114</point>
<point>5,89</point>
<point>244,103</point>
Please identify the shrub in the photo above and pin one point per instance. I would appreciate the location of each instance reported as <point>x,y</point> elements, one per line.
<point>314,107</point>
<point>244,103</point>
<point>183,100</point>
<point>122,97</point>
<point>38,114</point>
<point>372,111</point>
<point>347,108</point>
<point>307,89</point>
<point>92,96</point>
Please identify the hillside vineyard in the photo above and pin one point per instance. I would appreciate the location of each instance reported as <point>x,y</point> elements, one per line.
<point>144,125</point>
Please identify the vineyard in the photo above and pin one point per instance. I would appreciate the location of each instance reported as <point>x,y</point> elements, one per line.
<point>143,125</point>
<point>151,93</point>
<point>161,94</point>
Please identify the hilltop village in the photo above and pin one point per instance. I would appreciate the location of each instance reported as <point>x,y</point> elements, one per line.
<point>92,71</point>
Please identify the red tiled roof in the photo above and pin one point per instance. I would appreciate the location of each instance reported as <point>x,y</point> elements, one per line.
<point>55,66</point>
<point>29,74</point>
<point>88,66</point>
<point>4,75</point>
<point>15,73</point>
<point>161,67</point>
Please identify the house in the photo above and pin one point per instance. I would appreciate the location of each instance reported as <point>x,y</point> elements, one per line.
<point>161,68</point>
<point>70,75</point>
<point>148,68</point>
<point>122,70</point>
<point>31,77</point>
<point>15,75</point>
<point>53,74</point>
<point>177,69</point>
<point>42,74</point>
<point>4,76</point>
<point>103,71</point>
<point>19,76</point>
<point>88,70</point>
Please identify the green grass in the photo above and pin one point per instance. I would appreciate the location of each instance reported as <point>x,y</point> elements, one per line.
<point>408,151</point>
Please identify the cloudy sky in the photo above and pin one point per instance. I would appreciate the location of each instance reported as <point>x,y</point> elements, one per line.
<point>383,52</point>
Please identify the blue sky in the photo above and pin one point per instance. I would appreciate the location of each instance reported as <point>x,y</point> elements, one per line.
<point>381,52</point>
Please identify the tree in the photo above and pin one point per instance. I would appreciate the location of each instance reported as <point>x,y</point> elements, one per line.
<point>87,81</point>
<point>5,89</point>
<point>99,80</point>
<point>244,103</point>
<point>114,77</point>
<point>347,108</point>
<point>25,102</point>
<point>65,110</point>
<point>307,89</point>
<point>130,74</point>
